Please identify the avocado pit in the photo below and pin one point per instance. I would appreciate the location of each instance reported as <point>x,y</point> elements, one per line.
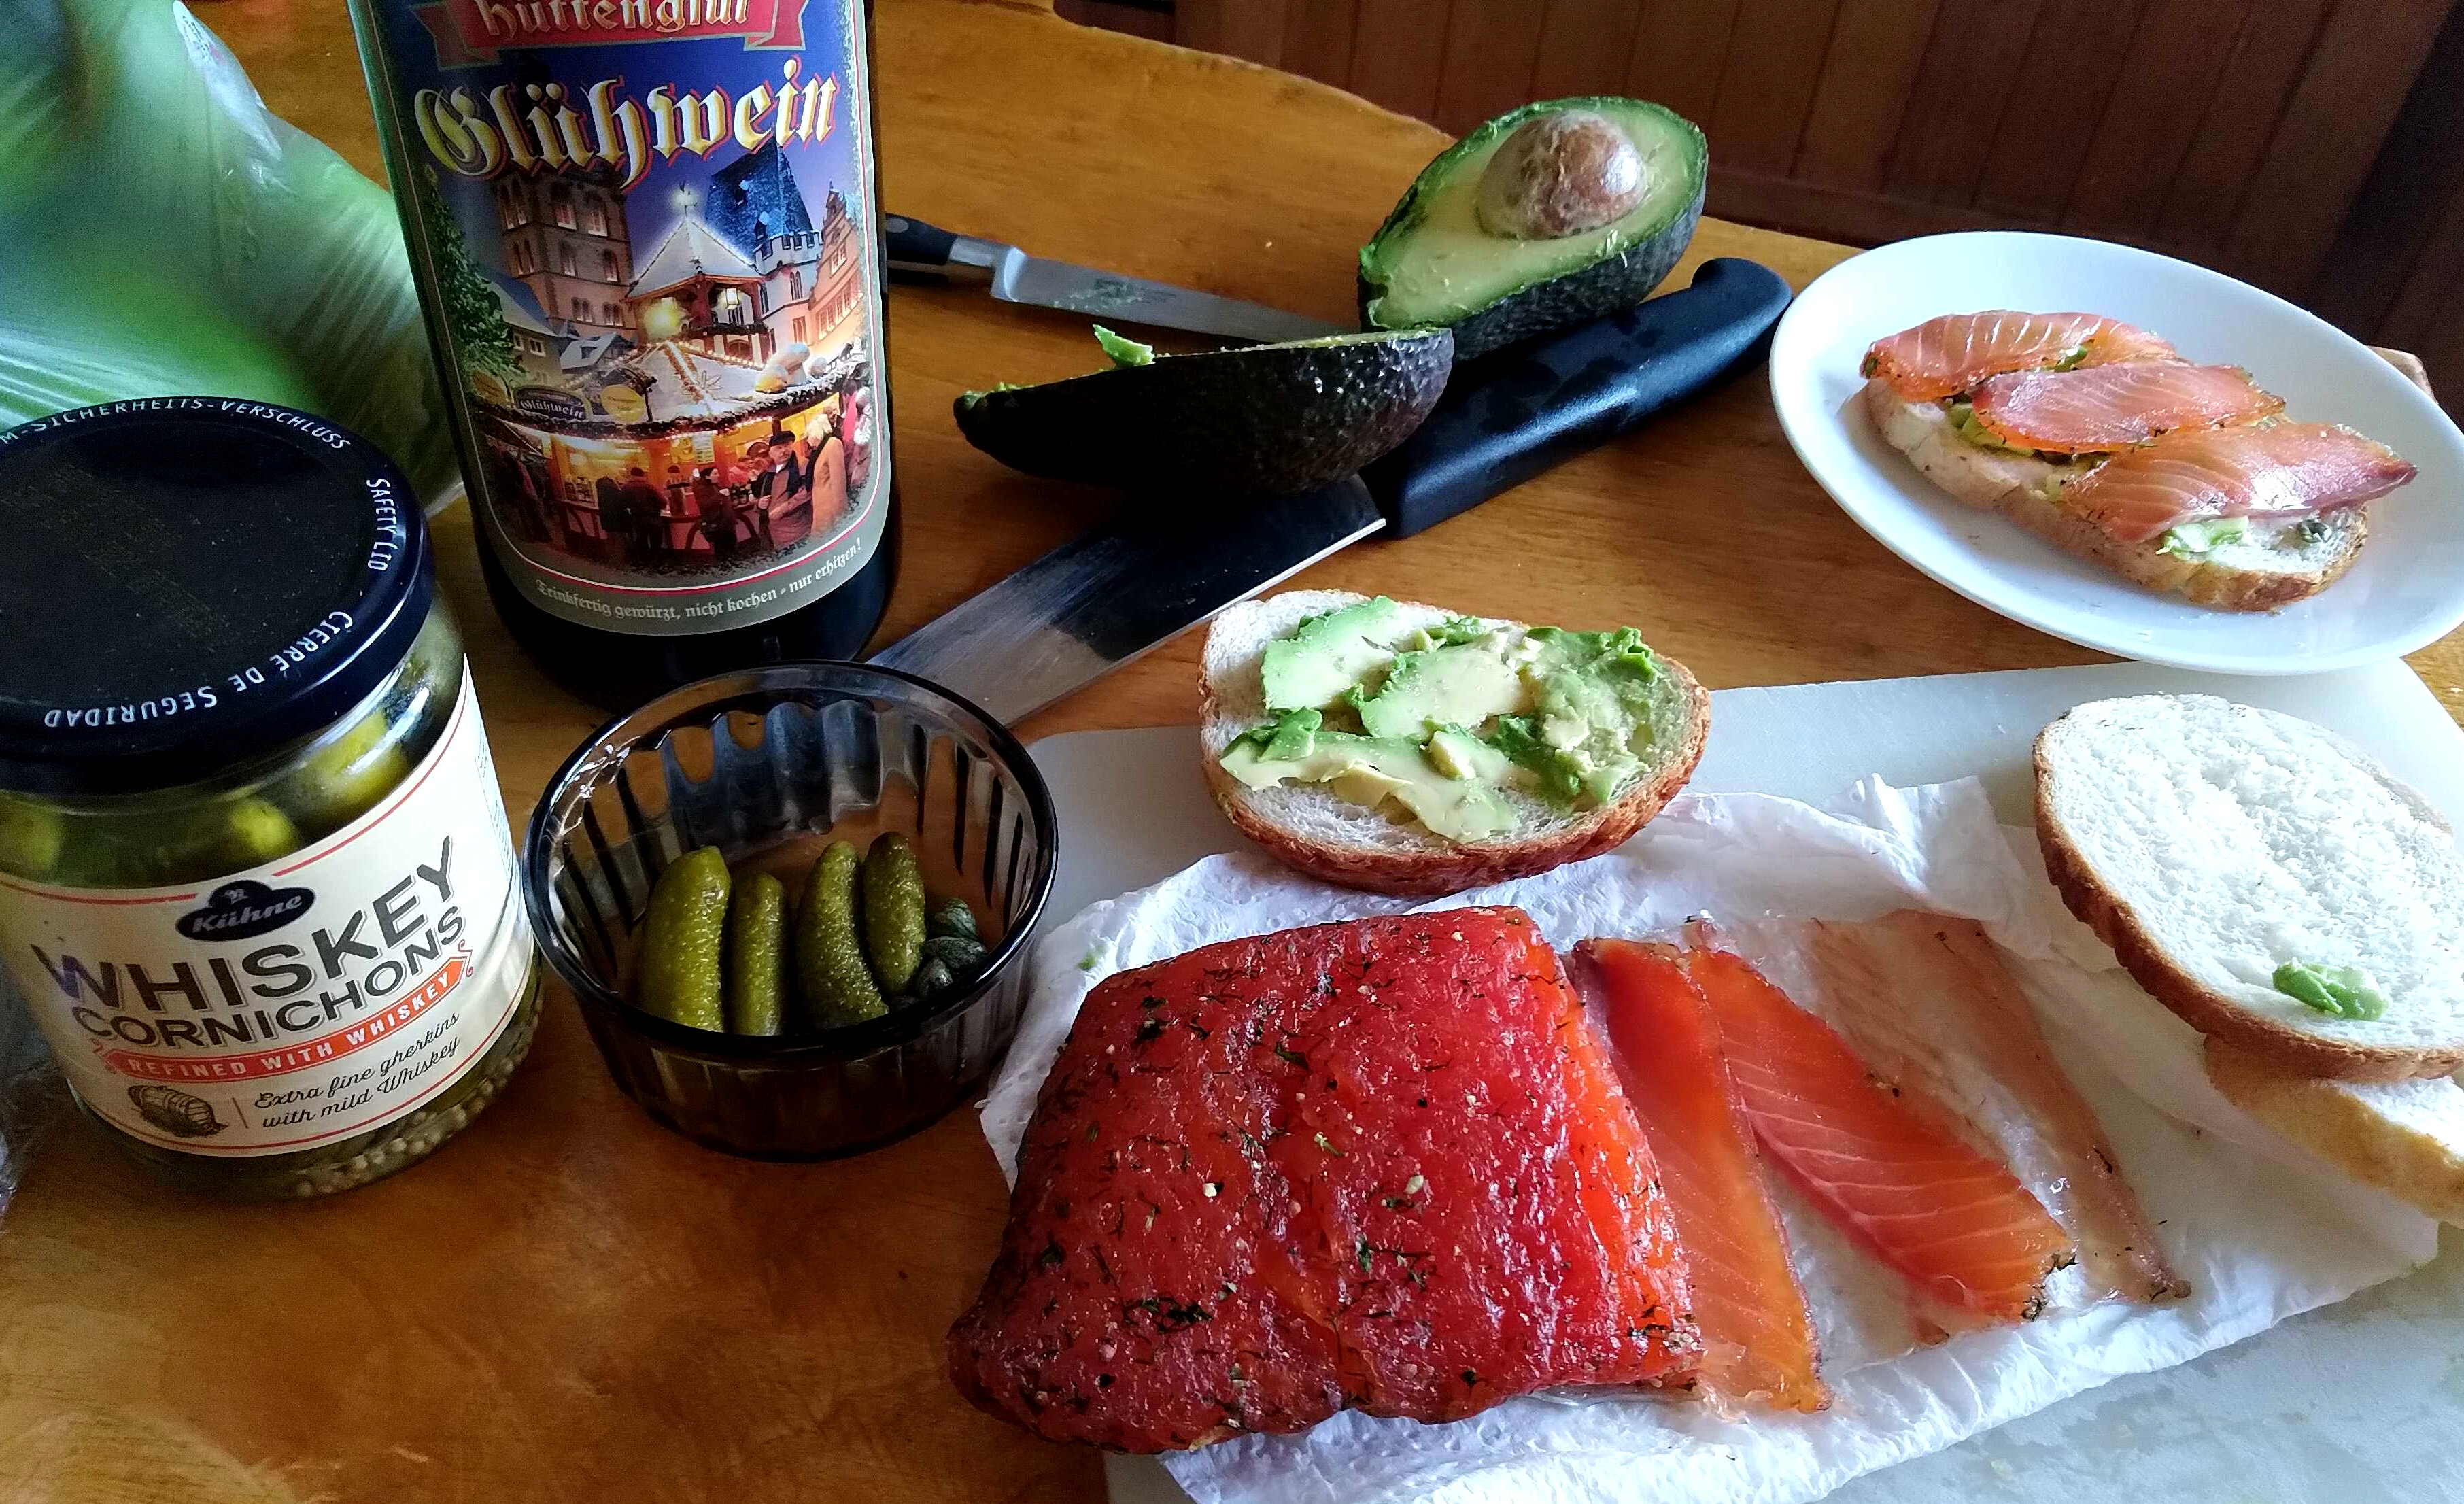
<point>1560,174</point>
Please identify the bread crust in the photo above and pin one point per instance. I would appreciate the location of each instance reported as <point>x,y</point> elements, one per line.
<point>2414,1166</point>
<point>2007,483</point>
<point>1922,431</point>
<point>1455,866</point>
<point>2272,1043</point>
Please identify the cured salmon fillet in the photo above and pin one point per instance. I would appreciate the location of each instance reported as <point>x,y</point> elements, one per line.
<point>1758,1341</point>
<point>2281,469</point>
<point>2098,408</point>
<point>1381,1164</point>
<point>1949,355</point>
<point>1953,1222</point>
<point>1926,1000</point>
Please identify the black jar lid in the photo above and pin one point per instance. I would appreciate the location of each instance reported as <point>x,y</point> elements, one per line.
<point>190,583</point>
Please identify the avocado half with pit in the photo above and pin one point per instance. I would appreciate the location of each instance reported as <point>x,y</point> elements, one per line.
<point>1268,419</point>
<point>1546,217</point>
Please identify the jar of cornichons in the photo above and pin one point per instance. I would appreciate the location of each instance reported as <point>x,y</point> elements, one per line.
<point>256,886</point>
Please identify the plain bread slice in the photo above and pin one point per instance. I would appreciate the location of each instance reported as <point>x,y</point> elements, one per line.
<point>2209,843</point>
<point>2406,1137</point>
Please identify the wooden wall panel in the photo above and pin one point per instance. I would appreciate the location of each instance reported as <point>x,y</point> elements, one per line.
<point>1154,22</point>
<point>2065,75</point>
<point>2426,316</point>
<point>1679,47</point>
<point>2258,77</point>
<point>1397,48</point>
<point>2356,81</point>
<point>2399,256</point>
<point>1868,76</point>
<point>1584,45</point>
<point>1490,48</point>
<point>2253,135</point>
<point>1962,88</point>
<point>2160,95</point>
<point>1250,28</point>
<point>1767,80</point>
<point>1318,38</point>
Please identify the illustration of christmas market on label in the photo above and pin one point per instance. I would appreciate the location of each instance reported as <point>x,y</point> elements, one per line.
<point>657,292</point>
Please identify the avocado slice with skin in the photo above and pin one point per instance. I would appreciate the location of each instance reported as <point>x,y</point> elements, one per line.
<point>1124,351</point>
<point>1538,220</point>
<point>1266,419</point>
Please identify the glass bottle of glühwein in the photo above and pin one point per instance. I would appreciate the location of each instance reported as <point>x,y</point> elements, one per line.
<point>645,236</point>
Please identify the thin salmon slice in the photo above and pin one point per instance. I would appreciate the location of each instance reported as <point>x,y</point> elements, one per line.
<point>2096,408</point>
<point>1758,1341</point>
<point>1926,1000</point>
<point>1949,355</point>
<point>1957,1224</point>
<point>2279,470</point>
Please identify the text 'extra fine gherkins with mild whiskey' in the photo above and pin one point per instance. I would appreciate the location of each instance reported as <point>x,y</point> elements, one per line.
<point>645,234</point>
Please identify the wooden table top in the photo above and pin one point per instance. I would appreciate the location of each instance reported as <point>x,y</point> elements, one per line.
<point>571,1303</point>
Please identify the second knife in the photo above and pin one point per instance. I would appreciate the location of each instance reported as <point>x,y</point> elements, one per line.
<point>1163,565</point>
<point>917,250</point>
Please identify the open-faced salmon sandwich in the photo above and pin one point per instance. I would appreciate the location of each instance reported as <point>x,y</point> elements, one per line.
<point>2102,439</point>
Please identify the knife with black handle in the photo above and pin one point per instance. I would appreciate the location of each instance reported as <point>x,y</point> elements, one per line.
<point>1163,565</point>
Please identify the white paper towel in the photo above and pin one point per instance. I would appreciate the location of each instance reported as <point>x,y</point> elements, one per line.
<point>2259,1233</point>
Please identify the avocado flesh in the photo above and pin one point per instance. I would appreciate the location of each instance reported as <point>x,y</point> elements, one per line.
<point>1123,351</point>
<point>1598,702</point>
<point>1567,718</point>
<point>1442,686</point>
<point>1432,262</point>
<point>1370,770</point>
<point>2191,539</point>
<point>1326,654</point>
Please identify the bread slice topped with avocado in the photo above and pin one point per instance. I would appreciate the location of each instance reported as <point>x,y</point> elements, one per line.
<point>2263,878</point>
<point>1408,749</point>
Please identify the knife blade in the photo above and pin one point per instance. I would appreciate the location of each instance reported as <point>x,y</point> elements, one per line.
<point>917,250</point>
<point>1161,566</point>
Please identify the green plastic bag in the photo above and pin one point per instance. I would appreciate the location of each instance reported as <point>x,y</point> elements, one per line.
<point>162,233</point>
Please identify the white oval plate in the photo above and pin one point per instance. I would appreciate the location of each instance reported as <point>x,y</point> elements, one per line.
<point>2405,591</point>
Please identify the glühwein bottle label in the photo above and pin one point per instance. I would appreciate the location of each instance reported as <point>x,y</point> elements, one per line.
<point>644,233</point>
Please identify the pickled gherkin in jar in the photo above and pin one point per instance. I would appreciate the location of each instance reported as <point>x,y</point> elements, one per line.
<point>757,981</point>
<point>343,780</point>
<point>30,838</point>
<point>254,830</point>
<point>263,901</point>
<point>717,949</point>
<point>951,918</point>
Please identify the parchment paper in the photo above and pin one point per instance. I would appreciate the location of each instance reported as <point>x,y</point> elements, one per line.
<point>2260,1233</point>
